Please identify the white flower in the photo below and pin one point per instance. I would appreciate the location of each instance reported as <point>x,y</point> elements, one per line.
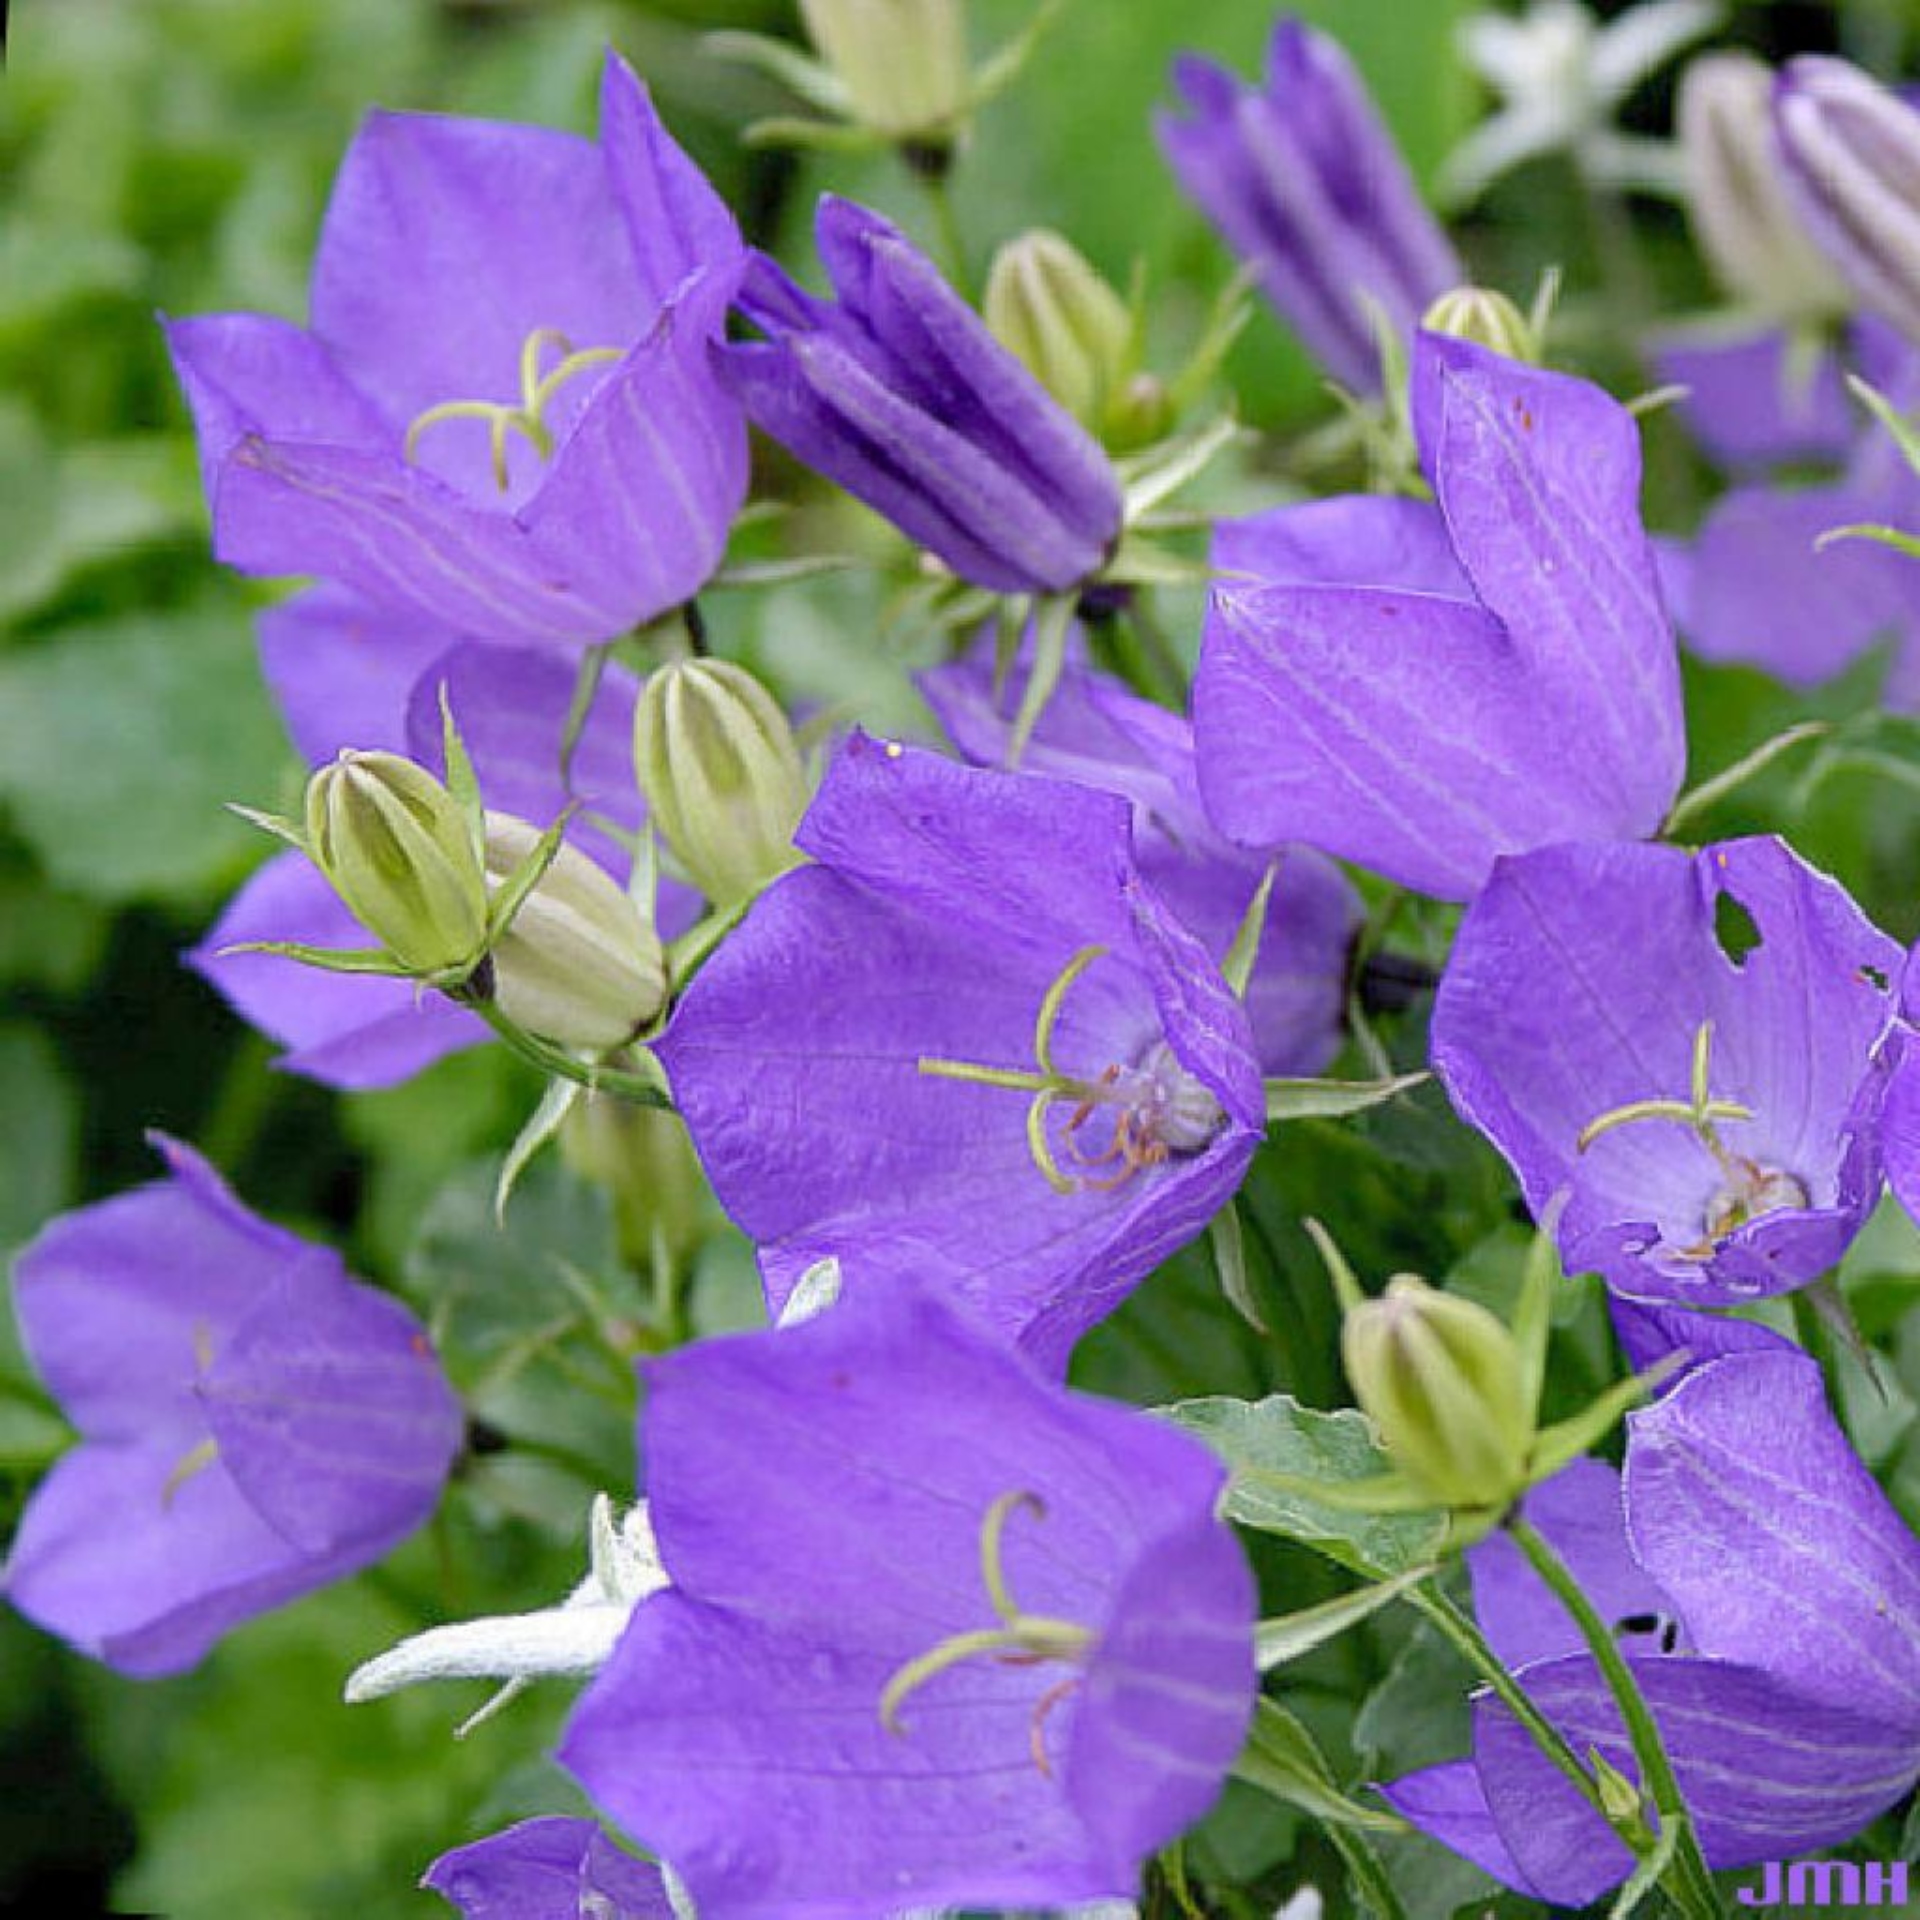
<point>576,1637</point>
<point>1561,77</point>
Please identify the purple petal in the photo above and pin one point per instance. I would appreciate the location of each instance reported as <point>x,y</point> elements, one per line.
<point>1357,540</point>
<point>1580,1512</point>
<point>352,1031</point>
<point>1762,591</point>
<point>1746,1502</point>
<point>331,1412</point>
<point>1767,1772</point>
<point>447,242</point>
<point>1448,1804</point>
<point>144,1569</point>
<point>117,1301</point>
<point>1753,402</point>
<point>548,1869</point>
<point>1648,1334</point>
<point>341,670</point>
<point>1538,475</point>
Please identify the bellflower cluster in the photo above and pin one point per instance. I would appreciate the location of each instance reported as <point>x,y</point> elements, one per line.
<point>1422,688</point>
<point>253,1422</point>
<point>502,415</point>
<point>1305,184</point>
<point>1767,1597</point>
<point>1697,1093</point>
<point>969,1044</point>
<point>938,1631</point>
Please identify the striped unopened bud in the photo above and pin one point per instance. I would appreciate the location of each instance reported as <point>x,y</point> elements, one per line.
<point>721,771</point>
<point>902,62</point>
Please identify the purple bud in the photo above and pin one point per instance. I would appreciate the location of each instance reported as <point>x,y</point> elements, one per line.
<point>899,392</point>
<point>1305,184</point>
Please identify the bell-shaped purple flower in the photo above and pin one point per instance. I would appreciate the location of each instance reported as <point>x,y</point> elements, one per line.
<point>939,1633</point>
<point>1768,1599</point>
<point>346,677</point>
<point>1305,184</point>
<point>1761,583</point>
<point>502,417</point>
<point>1097,733</point>
<point>970,1045</point>
<point>253,1422</point>
<point>1422,688</point>
<point>1682,1052</point>
<point>1850,158</point>
<point>549,1869</point>
<point>899,393</point>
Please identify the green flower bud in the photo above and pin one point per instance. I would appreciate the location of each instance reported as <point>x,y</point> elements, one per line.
<point>1051,309</point>
<point>902,62</point>
<point>1737,199</point>
<point>645,1160</point>
<point>579,964</point>
<point>1488,319</point>
<point>721,771</point>
<point>1444,1382</point>
<point>401,851</point>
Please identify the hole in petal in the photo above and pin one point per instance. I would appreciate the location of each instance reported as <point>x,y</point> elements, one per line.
<point>1734,929</point>
<point>1875,977</point>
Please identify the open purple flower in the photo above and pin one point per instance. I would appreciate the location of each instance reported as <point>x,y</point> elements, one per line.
<point>968,1046</point>
<point>549,1869</point>
<point>1760,584</point>
<point>939,1633</point>
<point>1683,1050</point>
<point>253,1422</point>
<point>1305,184</point>
<point>1097,733</point>
<point>899,393</point>
<point>1423,688</point>
<point>502,417</point>
<point>1768,1597</point>
<point>346,677</point>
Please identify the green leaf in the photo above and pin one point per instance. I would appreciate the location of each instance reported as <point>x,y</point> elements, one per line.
<point>1280,1758</point>
<point>39,1131</point>
<point>121,743</point>
<point>1279,1436</point>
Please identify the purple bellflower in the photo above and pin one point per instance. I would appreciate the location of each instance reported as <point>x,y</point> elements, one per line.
<point>899,393</point>
<point>970,1045</point>
<point>1305,184</point>
<point>1706,1119</point>
<point>1768,1599</point>
<point>1421,688</point>
<point>1097,733</point>
<point>549,1869</point>
<point>253,1422</point>
<point>939,1632</point>
<point>1760,583</point>
<point>502,417</point>
<point>347,677</point>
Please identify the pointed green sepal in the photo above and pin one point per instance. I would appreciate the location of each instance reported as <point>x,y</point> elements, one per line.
<point>1244,955</point>
<point>804,77</point>
<point>1293,1635</point>
<point>1004,66</point>
<point>1557,1445</point>
<point>1155,475</point>
<point>813,136</point>
<point>1894,537</point>
<point>1383,1493</point>
<point>1333,1099</point>
<point>1053,622</point>
<point>505,905</point>
<point>541,1126</point>
<point>1282,1760</point>
<point>1346,1283</point>
<point>1533,1312</point>
<point>462,782</point>
<point>1229,1247</point>
<point>375,960</point>
<point>291,831</point>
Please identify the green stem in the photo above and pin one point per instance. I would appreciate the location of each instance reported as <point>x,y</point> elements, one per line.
<point>594,1076</point>
<point>1367,1874</point>
<point>1687,1882</point>
<point>947,223</point>
<point>1472,1645</point>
